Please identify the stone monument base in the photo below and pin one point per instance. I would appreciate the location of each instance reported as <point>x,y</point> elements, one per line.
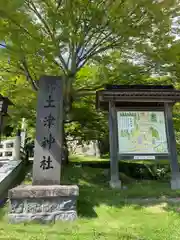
<point>115,184</point>
<point>43,203</point>
<point>175,183</point>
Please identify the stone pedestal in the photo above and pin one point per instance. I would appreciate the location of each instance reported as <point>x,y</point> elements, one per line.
<point>115,184</point>
<point>43,203</point>
<point>175,183</point>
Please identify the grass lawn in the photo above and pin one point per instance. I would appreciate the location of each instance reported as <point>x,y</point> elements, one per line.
<point>105,213</point>
<point>95,160</point>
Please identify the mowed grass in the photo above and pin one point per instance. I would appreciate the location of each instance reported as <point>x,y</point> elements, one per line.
<point>105,213</point>
<point>95,160</point>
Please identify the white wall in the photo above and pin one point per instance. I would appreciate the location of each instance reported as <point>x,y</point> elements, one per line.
<point>90,149</point>
<point>7,149</point>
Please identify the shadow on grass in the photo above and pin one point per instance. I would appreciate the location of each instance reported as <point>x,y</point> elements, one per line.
<point>3,211</point>
<point>158,206</point>
<point>95,190</point>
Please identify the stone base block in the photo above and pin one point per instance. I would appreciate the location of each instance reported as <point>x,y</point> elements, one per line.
<point>43,203</point>
<point>115,184</point>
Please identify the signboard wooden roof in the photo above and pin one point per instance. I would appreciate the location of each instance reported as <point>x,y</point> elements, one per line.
<point>137,95</point>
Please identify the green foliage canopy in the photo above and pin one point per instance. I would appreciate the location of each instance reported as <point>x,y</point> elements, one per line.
<point>59,37</point>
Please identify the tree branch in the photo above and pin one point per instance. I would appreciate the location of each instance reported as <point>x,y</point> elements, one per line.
<point>97,43</point>
<point>18,25</point>
<point>90,89</point>
<point>2,45</point>
<point>59,2</point>
<point>34,9</point>
<point>86,29</point>
<point>9,71</point>
<point>48,31</point>
<point>97,51</point>
<point>57,64</point>
<point>63,62</point>
<point>28,75</point>
<point>70,121</point>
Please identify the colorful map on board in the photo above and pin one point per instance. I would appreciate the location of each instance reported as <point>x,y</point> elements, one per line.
<point>141,132</point>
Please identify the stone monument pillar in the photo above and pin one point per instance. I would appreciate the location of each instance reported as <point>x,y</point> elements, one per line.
<point>46,199</point>
<point>48,144</point>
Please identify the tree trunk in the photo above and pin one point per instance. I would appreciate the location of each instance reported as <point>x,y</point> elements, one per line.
<point>65,151</point>
<point>68,100</point>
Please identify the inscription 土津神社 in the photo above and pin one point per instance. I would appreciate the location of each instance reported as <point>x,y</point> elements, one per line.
<point>47,160</point>
<point>48,141</point>
<point>46,163</point>
<point>50,101</point>
<point>49,121</point>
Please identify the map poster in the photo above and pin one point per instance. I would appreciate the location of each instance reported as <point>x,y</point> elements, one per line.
<point>141,132</point>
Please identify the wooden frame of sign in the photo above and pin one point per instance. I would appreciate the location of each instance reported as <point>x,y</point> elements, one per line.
<point>144,99</point>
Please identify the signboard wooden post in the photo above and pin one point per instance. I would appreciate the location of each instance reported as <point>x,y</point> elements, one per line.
<point>114,182</point>
<point>141,125</point>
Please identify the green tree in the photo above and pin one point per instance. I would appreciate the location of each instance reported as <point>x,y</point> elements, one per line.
<point>60,37</point>
<point>24,99</point>
<point>86,122</point>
